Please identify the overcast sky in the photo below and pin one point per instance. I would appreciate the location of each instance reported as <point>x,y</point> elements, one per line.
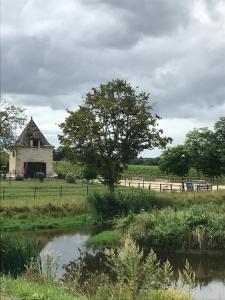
<point>54,51</point>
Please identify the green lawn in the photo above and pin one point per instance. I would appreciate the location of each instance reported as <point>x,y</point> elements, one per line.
<point>33,193</point>
<point>30,192</point>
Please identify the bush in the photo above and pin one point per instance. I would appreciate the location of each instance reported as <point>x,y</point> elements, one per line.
<point>15,253</point>
<point>19,178</point>
<point>70,178</point>
<point>104,207</point>
<point>199,227</point>
<point>40,176</point>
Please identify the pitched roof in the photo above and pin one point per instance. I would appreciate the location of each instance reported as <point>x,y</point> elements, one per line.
<point>30,132</point>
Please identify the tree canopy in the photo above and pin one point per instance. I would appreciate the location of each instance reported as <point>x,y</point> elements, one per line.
<point>203,150</point>
<point>175,160</point>
<point>11,118</point>
<point>114,124</point>
<point>202,147</point>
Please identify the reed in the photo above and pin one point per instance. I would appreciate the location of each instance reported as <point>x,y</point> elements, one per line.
<point>16,252</point>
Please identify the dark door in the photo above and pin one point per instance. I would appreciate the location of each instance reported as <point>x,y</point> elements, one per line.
<point>31,168</point>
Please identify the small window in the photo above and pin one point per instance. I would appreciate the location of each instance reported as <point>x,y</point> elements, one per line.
<point>35,143</point>
<point>13,153</point>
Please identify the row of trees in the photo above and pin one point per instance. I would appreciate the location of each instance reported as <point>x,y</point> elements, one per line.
<point>203,150</point>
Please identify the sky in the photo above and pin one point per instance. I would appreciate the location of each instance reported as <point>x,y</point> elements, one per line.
<point>53,52</point>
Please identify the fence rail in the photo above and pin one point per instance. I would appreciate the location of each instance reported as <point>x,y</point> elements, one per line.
<point>59,191</point>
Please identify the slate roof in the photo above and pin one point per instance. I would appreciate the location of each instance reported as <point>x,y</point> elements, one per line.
<point>30,132</point>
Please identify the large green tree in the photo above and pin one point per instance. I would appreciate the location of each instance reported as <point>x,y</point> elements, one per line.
<point>202,147</point>
<point>175,160</point>
<point>219,130</point>
<point>11,118</point>
<point>114,124</point>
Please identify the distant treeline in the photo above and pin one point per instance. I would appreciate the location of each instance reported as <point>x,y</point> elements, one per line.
<point>58,155</point>
<point>150,161</point>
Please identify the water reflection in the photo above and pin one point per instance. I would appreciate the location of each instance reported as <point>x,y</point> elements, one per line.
<point>67,246</point>
<point>210,269</point>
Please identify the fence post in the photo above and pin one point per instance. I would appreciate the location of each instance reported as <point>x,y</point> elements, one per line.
<point>143,184</point>
<point>3,193</point>
<point>35,192</point>
<point>87,190</point>
<point>160,187</point>
<point>171,187</point>
<point>60,192</point>
<point>149,187</point>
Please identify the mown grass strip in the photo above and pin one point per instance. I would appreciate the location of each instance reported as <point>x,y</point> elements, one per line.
<point>108,238</point>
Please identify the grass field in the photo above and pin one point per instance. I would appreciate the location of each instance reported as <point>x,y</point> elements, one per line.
<point>143,172</point>
<point>30,192</point>
<point>56,191</point>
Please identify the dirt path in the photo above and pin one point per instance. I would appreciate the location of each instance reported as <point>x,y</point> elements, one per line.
<point>162,186</point>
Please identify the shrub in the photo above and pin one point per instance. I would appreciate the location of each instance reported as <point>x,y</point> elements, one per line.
<point>199,227</point>
<point>19,178</point>
<point>15,253</point>
<point>70,178</point>
<point>40,176</point>
<point>104,207</point>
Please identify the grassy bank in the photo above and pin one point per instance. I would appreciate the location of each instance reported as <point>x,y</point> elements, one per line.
<point>108,238</point>
<point>30,290</point>
<point>198,227</point>
<point>46,222</point>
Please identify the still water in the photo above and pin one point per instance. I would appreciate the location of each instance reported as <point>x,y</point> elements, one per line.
<point>210,269</point>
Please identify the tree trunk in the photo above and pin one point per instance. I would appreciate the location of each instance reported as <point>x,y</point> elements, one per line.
<point>111,187</point>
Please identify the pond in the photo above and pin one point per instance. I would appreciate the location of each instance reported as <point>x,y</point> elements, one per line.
<point>210,269</point>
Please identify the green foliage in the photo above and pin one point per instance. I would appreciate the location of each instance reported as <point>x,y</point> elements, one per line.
<point>19,178</point>
<point>106,238</point>
<point>64,167</point>
<point>90,172</point>
<point>150,161</point>
<point>40,176</point>
<point>219,129</point>
<point>201,144</point>
<point>105,207</point>
<point>199,227</point>
<point>15,252</point>
<point>112,127</point>
<point>175,160</point>
<point>70,178</point>
<point>30,290</point>
<point>11,118</point>
<point>127,275</point>
<point>4,159</point>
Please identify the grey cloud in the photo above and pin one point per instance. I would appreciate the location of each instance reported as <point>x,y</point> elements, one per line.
<point>153,44</point>
<point>148,16</point>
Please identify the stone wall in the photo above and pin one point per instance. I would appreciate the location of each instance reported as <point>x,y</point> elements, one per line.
<point>16,163</point>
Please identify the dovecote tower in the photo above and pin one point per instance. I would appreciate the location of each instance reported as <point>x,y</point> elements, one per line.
<point>31,153</point>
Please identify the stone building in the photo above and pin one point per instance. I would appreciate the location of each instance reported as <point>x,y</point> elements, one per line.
<point>31,153</point>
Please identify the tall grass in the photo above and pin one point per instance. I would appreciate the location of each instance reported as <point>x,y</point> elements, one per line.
<point>128,275</point>
<point>199,227</point>
<point>16,251</point>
